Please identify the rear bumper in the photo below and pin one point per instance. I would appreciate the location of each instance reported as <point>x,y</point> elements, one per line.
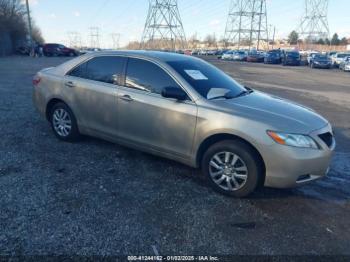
<point>39,102</point>
<point>289,166</point>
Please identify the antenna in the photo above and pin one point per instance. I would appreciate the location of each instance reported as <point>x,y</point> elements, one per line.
<point>314,24</point>
<point>94,37</point>
<point>163,27</point>
<point>247,23</point>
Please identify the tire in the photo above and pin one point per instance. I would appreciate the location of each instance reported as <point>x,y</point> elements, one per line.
<point>69,132</point>
<point>240,157</point>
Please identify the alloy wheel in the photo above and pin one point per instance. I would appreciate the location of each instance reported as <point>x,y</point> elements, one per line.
<point>62,122</point>
<point>228,171</point>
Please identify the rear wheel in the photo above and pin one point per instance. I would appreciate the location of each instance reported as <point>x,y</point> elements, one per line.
<point>232,168</point>
<point>63,123</point>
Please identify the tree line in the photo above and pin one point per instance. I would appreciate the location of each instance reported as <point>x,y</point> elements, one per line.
<point>14,26</point>
<point>293,39</point>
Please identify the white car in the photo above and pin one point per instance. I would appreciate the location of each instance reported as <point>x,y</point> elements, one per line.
<point>228,55</point>
<point>338,58</point>
<point>345,64</point>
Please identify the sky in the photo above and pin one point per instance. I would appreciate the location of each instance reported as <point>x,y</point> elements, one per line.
<point>127,17</point>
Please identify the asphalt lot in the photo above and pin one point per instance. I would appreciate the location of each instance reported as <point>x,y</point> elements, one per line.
<point>97,198</point>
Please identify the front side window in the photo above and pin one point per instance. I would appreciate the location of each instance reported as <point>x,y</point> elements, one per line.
<point>147,76</point>
<point>206,79</point>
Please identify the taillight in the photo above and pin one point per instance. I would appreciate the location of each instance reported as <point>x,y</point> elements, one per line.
<point>36,80</point>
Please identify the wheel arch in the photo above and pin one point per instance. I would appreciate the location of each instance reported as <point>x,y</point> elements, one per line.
<point>215,138</point>
<point>50,105</point>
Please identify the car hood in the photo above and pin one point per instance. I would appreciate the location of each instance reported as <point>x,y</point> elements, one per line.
<point>279,114</point>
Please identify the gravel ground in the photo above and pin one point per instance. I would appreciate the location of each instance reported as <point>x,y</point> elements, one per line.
<point>98,198</point>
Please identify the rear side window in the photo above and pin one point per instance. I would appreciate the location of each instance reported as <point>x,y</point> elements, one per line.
<point>106,69</point>
<point>78,71</point>
<point>147,76</point>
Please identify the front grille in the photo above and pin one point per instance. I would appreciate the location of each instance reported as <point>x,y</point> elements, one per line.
<point>327,138</point>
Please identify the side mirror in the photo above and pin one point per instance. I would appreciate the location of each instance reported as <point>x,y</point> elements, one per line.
<point>174,92</point>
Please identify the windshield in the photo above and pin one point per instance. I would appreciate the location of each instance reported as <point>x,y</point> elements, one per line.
<point>321,57</point>
<point>206,79</point>
<point>293,54</point>
<point>342,55</point>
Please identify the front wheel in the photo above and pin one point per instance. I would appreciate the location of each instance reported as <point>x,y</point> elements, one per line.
<point>232,168</point>
<point>63,123</point>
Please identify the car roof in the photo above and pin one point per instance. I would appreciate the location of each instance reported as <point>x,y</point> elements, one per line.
<point>157,55</point>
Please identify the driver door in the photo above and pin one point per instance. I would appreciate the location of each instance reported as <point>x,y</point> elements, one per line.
<point>147,119</point>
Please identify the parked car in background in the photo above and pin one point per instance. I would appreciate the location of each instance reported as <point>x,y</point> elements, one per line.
<point>128,96</point>
<point>228,55</point>
<point>255,57</point>
<point>338,58</point>
<point>291,58</point>
<point>195,52</point>
<point>89,50</point>
<point>187,52</point>
<point>59,50</point>
<point>273,57</point>
<point>239,56</point>
<point>211,52</point>
<point>321,61</point>
<point>311,56</point>
<point>23,50</point>
<point>345,64</point>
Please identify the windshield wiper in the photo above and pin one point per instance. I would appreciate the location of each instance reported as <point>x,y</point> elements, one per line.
<point>230,96</point>
<point>244,92</point>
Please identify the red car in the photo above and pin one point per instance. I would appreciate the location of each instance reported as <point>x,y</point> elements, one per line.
<point>59,50</point>
<point>255,57</point>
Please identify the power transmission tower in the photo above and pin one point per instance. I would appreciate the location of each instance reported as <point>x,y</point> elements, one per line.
<point>247,23</point>
<point>94,37</point>
<point>163,27</point>
<point>115,39</point>
<point>74,39</point>
<point>314,24</point>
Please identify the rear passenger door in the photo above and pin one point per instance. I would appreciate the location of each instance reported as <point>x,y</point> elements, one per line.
<point>149,120</point>
<point>93,86</point>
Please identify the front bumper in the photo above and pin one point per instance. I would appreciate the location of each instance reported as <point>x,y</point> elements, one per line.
<point>290,166</point>
<point>322,65</point>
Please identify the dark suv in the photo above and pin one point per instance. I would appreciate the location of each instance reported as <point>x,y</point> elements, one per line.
<point>291,58</point>
<point>273,57</point>
<point>59,50</point>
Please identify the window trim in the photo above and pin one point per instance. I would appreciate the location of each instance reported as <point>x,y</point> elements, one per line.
<point>123,84</point>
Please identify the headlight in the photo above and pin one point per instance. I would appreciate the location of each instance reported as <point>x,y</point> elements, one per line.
<point>316,62</point>
<point>296,140</point>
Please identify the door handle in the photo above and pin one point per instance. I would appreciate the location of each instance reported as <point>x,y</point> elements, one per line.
<point>126,98</point>
<point>69,84</point>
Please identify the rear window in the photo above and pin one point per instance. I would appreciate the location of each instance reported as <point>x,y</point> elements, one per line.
<point>206,78</point>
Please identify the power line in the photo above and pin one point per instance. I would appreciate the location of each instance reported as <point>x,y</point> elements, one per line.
<point>314,24</point>
<point>163,28</point>
<point>247,23</point>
